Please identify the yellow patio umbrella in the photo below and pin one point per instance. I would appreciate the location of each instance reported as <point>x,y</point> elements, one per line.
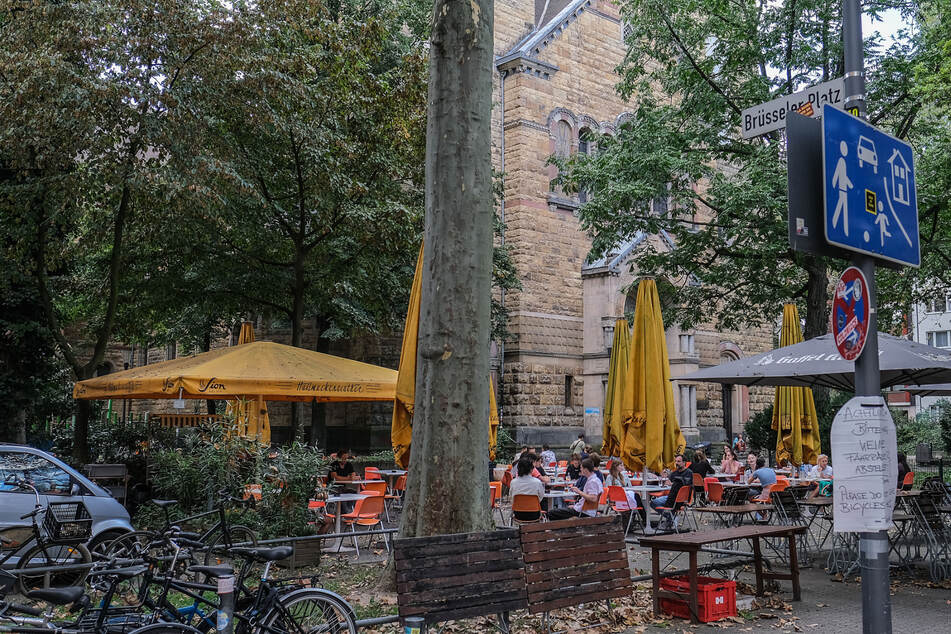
<point>401,430</point>
<point>251,418</point>
<point>617,382</point>
<point>651,437</point>
<point>263,370</point>
<point>794,409</point>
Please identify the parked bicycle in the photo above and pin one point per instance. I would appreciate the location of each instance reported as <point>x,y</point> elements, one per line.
<point>216,540</point>
<point>57,552</point>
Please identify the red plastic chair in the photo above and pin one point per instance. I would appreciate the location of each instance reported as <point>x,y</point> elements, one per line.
<point>372,473</point>
<point>715,492</point>
<point>681,504</point>
<point>526,504</point>
<point>908,482</point>
<point>620,504</point>
<point>495,498</point>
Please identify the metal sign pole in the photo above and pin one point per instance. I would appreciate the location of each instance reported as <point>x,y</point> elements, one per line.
<point>873,547</point>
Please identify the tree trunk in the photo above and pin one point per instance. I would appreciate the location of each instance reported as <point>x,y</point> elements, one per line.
<point>81,432</point>
<point>211,404</point>
<point>447,490</point>
<point>297,331</point>
<point>318,411</point>
<point>21,426</point>
<point>817,299</point>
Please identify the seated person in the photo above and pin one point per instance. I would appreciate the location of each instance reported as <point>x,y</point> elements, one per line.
<point>341,470</point>
<point>574,468</point>
<point>617,477</point>
<point>548,456</point>
<point>700,465</point>
<point>591,494</point>
<point>538,469</point>
<point>596,461</point>
<point>679,477</point>
<point>750,467</point>
<point>763,475</point>
<point>822,471</point>
<point>730,464</point>
<point>525,484</point>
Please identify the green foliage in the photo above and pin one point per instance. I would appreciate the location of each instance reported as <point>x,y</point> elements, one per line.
<point>758,433</point>
<point>678,167</point>
<point>205,461</point>
<point>932,426</point>
<point>505,444</point>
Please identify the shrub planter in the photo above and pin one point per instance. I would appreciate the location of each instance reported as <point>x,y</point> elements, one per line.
<point>306,553</point>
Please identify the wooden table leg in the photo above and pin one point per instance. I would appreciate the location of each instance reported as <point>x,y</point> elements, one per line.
<point>655,572</point>
<point>794,566</point>
<point>694,607</point>
<point>758,560</point>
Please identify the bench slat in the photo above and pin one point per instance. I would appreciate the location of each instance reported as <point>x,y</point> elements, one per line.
<point>471,611</point>
<point>548,606</point>
<point>573,560</point>
<point>552,578</point>
<point>569,523</point>
<point>506,587</point>
<point>413,574</point>
<point>460,559</point>
<point>582,529</point>
<point>456,538</point>
<point>592,587</point>
<point>555,550</point>
<point>431,583</point>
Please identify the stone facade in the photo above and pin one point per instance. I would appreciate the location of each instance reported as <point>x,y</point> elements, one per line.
<point>555,78</point>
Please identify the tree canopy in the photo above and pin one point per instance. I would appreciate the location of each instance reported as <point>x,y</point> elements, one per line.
<point>690,70</point>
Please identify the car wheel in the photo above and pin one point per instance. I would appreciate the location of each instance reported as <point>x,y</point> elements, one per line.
<point>99,545</point>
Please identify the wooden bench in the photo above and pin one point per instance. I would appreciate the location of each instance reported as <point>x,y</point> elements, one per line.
<point>448,577</point>
<point>691,543</point>
<point>574,561</point>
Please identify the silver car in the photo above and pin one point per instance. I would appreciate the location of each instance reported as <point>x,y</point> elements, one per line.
<point>55,481</point>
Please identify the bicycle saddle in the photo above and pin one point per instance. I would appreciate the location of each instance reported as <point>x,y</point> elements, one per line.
<point>58,596</point>
<point>164,503</point>
<point>264,554</point>
<point>213,571</point>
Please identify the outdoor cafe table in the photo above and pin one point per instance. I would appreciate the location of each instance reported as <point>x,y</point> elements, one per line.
<point>392,474</point>
<point>691,543</point>
<point>645,490</point>
<point>338,522</point>
<point>822,506</point>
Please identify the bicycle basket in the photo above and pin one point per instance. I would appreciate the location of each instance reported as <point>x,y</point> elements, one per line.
<point>67,522</point>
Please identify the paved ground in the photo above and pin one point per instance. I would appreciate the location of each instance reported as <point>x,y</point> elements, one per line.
<point>829,606</point>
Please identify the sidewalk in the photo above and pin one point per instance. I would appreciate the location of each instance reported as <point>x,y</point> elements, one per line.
<point>830,607</point>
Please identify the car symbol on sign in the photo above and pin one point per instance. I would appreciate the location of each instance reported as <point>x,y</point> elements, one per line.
<point>867,153</point>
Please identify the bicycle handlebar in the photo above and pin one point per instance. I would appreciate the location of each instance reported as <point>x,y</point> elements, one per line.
<point>32,513</point>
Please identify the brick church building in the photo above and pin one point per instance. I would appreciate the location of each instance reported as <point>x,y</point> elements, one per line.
<point>554,80</point>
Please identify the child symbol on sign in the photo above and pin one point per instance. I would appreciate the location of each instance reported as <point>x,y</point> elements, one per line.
<point>840,180</point>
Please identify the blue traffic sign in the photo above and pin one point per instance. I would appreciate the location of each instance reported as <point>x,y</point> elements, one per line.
<point>869,180</point>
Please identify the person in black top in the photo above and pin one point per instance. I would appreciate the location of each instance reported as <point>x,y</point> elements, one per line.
<point>574,467</point>
<point>701,465</point>
<point>903,468</point>
<point>679,477</point>
<point>341,469</point>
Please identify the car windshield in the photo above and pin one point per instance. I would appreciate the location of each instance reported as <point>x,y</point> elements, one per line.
<point>48,478</point>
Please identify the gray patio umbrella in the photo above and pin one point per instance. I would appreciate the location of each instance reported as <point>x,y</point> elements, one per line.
<point>816,362</point>
<point>933,389</point>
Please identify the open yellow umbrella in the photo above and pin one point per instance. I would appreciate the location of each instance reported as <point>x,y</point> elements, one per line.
<point>251,418</point>
<point>263,370</point>
<point>651,437</point>
<point>794,409</point>
<point>613,429</point>
<point>401,430</point>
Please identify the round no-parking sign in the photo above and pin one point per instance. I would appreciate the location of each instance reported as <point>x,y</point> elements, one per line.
<point>850,313</point>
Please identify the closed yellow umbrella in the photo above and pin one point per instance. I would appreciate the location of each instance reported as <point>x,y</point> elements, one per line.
<point>652,437</point>
<point>613,429</point>
<point>401,429</point>
<point>794,409</point>
<point>250,417</point>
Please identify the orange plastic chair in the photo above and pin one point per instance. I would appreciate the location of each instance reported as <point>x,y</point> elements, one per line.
<point>620,504</point>
<point>782,478</point>
<point>590,506</point>
<point>495,498</point>
<point>506,480</point>
<point>562,463</point>
<point>366,513</point>
<point>681,503</point>
<point>908,482</point>
<point>399,488</point>
<point>372,473</point>
<point>715,492</point>
<point>525,504</point>
<point>378,488</point>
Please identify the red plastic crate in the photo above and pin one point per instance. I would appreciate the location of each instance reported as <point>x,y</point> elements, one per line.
<point>716,598</point>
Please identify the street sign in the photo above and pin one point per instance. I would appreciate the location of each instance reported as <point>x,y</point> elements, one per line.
<point>869,180</point>
<point>850,313</point>
<point>771,115</point>
<point>865,455</point>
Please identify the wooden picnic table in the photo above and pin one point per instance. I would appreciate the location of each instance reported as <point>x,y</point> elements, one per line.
<point>691,543</point>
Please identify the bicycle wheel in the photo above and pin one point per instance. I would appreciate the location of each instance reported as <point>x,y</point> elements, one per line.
<point>130,545</point>
<point>310,610</point>
<point>217,553</point>
<point>166,628</point>
<point>46,557</point>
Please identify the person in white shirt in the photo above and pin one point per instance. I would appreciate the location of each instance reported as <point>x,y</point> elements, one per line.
<point>591,494</point>
<point>525,484</point>
<point>548,456</point>
<point>822,471</point>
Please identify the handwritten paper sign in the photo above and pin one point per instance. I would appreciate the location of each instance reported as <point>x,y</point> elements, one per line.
<point>865,459</point>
